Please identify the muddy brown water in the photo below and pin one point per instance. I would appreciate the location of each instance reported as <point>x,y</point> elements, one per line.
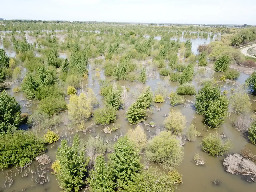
<point>195,178</point>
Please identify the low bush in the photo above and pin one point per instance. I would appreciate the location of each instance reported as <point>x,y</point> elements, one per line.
<point>71,90</point>
<point>51,137</point>
<point>52,105</point>
<point>212,105</point>
<point>165,149</point>
<point>232,74</point>
<point>164,72</point>
<point>251,82</point>
<point>252,133</point>
<point>192,133</point>
<point>240,103</point>
<point>19,148</point>
<point>214,146</point>
<point>105,116</point>
<point>138,137</point>
<point>222,63</point>
<point>175,122</point>
<point>159,98</point>
<point>186,89</point>
<point>176,99</point>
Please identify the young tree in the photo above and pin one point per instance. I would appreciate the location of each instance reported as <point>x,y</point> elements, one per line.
<point>19,148</point>
<point>251,82</point>
<point>73,165</point>
<point>4,64</point>
<point>124,164</point>
<point>222,63</point>
<point>212,105</point>
<point>100,177</point>
<point>9,113</point>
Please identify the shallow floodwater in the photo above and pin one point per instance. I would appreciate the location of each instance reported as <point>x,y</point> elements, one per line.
<point>195,178</point>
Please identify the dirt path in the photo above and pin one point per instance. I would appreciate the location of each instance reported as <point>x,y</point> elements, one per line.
<point>245,49</point>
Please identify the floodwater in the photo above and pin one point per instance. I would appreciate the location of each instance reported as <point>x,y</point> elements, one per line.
<point>195,178</point>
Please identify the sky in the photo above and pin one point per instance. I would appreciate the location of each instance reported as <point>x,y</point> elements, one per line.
<point>145,11</point>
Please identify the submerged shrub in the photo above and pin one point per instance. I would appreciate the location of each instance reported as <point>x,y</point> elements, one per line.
<point>165,149</point>
<point>105,116</point>
<point>73,165</point>
<point>186,89</point>
<point>202,61</point>
<point>214,146</point>
<point>52,105</point>
<point>175,122</point>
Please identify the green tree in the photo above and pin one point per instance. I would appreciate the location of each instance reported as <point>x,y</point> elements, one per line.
<point>73,165</point>
<point>222,63</point>
<point>251,82</point>
<point>100,177</point>
<point>124,164</point>
<point>202,61</point>
<point>252,133</point>
<point>212,105</point>
<point>137,111</point>
<point>19,148</point>
<point>4,64</point>
<point>9,113</point>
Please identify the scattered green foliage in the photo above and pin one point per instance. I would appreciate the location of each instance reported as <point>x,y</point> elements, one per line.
<point>240,102</point>
<point>137,136</point>
<point>137,111</point>
<point>251,82</point>
<point>232,74</point>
